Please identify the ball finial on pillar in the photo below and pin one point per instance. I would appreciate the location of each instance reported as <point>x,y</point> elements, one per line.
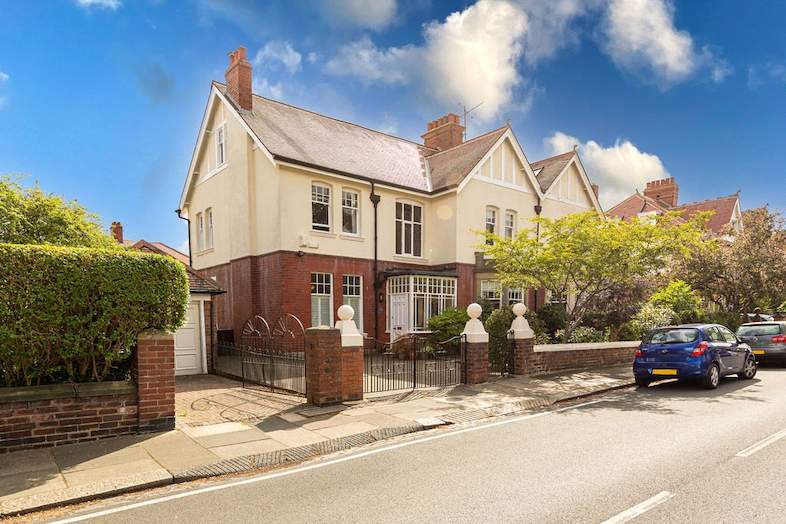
<point>346,312</point>
<point>474,310</point>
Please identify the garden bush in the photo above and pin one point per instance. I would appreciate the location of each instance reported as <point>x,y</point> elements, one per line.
<point>72,314</point>
<point>583,334</point>
<point>725,318</point>
<point>553,318</point>
<point>650,316</point>
<point>448,324</point>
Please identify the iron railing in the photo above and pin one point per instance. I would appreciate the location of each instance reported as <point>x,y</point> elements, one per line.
<point>499,353</point>
<point>280,370</point>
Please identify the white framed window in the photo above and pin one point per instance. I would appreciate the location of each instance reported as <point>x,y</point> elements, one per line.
<point>490,290</point>
<point>320,207</point>
<point>409,229</point>
<point>510,224</point>
<point>209,213</point>
<point>516,295</point>
<point>221,146</point>
<point>422,297</point>
<point>491,222</point>
<point>350,201</point>
<point>353,296</point>
<point>321,299</point>
<point>200,232</point>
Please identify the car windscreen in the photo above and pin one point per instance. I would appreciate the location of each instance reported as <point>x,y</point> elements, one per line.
<point>759,330</point>
<point>671,336</point>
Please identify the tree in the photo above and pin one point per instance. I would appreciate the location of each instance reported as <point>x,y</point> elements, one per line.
<point>585,254</point>
<point>614,307</point>
<point>745,268</point>
<point>31,216</point>
<point>680,298</point>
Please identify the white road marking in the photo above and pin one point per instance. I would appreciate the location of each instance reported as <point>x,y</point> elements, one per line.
<point>747,452</point>
<point>638,509</point>
<point>293,471</point>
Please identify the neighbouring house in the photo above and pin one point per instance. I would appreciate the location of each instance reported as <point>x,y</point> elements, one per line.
<point>292,211</point>
<point>660,196</point>
<point>197,336</point>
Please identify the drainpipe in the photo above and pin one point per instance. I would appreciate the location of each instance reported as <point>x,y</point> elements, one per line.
<point>375,201</point>
<point>538,209</point>
<point>178,211</point>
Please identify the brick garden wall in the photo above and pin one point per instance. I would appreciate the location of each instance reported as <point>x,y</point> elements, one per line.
<point>77,414</point>
<point>549,358</point>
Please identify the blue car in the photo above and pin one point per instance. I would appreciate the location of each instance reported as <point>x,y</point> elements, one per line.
<point>704,352</point>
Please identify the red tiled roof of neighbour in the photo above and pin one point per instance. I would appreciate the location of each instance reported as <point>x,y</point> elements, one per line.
<point>723,208</point>
<point>550,168</point>
<point>196,282</point>
<point>635,204</point>
<point>448,168</point>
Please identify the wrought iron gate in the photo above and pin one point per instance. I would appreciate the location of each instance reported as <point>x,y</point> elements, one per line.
<point>499,353</point>
<point>413,362</point>
<point>270,357</point>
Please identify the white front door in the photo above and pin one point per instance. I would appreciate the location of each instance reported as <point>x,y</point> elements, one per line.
<point>188,343</point>
<point>399,313</point>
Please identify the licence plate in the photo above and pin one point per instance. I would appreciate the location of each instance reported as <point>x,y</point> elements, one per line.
<point>758,351</point>
<point>664,371</point>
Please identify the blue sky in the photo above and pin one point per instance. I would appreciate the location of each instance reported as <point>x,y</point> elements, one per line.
<point>101,100</point>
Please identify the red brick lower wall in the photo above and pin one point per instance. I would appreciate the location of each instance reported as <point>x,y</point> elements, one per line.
<point>40,423</point>
<point>277,283</point>
<point>544,359</point>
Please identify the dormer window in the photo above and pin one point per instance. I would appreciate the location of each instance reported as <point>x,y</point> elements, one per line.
<point>221,146</point>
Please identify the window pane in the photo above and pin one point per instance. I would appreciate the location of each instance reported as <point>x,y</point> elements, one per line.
<point>416,241</point>
<point>417,213</point>
<point>399,227</point>
<point>399,207</point>
<point>408,238</point>
<point>407,212</point>
<point>350,221</point>
<point>319,216</point>
<point>314,311</point>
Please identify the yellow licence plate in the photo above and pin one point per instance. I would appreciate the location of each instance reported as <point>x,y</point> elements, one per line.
<point>758,351</point>
<point>664,371</point>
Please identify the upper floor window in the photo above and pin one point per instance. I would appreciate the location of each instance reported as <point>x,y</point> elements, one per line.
<point>349,212</point>
<point>320,207</point>
<point>209,214</point>
<point>221,146</point>
<point>490,290</point>
<point>510,225</point>
<point>409,229</point>
<point>200,220</point>
<point>491,222</point>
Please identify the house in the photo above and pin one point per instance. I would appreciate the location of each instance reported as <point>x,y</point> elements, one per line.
<point>293,211</point>
<point>194,338</point>
<point>661,196</point>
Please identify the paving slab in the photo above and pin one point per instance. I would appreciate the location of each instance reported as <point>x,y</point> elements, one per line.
<point>177,452</point>
<point>31,483</point>
<point>235,437</point>
<point>24,461</point>
<point>214,429</point>
<point>296,437</point>
<point>326,422</point>
<point>114,459</point>
<point>83,477</point>
<point>380,420</point>
<point>248,448</point>
<point>345,430</point>
<point>97,453</point>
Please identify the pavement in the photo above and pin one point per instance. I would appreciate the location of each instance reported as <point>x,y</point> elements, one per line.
<point>224,428</point>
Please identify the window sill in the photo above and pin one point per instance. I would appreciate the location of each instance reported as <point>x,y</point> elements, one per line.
<point>204,251</point>
<point>415,260</point>
<point>354,238</point>
<point>211,174</point>
<point>325,234</point>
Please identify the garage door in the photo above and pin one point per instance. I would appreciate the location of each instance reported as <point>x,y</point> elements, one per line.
<point>188,344</point>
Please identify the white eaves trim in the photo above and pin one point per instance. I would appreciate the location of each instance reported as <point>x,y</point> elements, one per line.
<point>507,135</point>
<point>584,178</point>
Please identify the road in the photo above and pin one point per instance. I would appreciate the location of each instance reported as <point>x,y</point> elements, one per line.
<point>669,452</point>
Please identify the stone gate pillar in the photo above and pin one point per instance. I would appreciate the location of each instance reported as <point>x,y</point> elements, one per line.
<point>523,338</point>
<point>351,355</point>
<point>476,355</point>
<point>153,370</point>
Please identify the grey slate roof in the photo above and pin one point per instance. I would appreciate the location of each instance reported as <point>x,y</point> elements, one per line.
<point>307,138</point>
<point>448,168</point>
<point>551,168</point>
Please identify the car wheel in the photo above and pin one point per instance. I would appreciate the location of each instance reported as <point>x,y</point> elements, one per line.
<point>642,382</point>
<point>749,369</point>
<point>712,379</point>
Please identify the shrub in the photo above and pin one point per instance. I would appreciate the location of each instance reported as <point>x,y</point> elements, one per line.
<point>680,298</point>
<point>448,324</point>
<point>584,334</point>
<point>553,318</point>
<point>650,316</point>
<point>724,318</point>
<point>71,314</point>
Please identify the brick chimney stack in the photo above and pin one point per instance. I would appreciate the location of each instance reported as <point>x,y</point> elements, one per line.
<point>664,190</point>
<point>444,133</point>
<point>238,78</point>
<point>116,229</point>
<point>596,190</point>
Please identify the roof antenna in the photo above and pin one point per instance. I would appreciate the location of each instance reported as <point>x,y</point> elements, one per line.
<point>466,113</point>
<point>574,147</point>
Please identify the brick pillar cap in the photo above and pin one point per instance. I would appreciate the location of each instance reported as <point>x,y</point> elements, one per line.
<point>319,329</point>
<point>350,336</point>
<point>473,329</point>
<point>155,334</point>
<point>520,325</point>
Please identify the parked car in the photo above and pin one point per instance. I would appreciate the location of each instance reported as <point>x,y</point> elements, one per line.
<point>705,352</point>
<point>766,339</point>
<point>762,316</point>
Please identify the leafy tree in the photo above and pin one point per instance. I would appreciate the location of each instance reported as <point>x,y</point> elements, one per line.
<point>745,268</point>
<point>650,316</point>
<point>610,309</point>
<point>680,298</point>
<point>585,254</point>
<point>32,216</point>
<point>553,318</point>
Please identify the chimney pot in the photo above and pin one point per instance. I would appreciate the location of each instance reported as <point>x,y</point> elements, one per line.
<point>444,133</point>
<point>238,79</point>
<point>117,231</point>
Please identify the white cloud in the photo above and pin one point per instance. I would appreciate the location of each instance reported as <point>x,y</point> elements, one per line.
<point>762,73</point>
<point>619,170</point>
<point>313,58</point>
<point>112,5</point>
<point>279,52</point>
<point>376,15</point>
<point>641,38</point>
<point>4,77</point>
<point>263,87</point>
<point>370,64</point>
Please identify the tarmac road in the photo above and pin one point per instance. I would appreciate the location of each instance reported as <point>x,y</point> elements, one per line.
<point>668,453</point>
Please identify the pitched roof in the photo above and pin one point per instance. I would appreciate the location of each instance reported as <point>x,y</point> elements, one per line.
<point>448,168</point>
<point>303,137</point>
<point>548,169</point>
<point>635,204</point>
<point>723,208</point>
<point>196,282</point>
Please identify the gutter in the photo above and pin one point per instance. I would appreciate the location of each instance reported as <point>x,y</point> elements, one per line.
<point>375,198</point>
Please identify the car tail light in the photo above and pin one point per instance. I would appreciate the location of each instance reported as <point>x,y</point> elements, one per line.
<point>638,351</point>
<point>780,339</point>
<point>700,349</point>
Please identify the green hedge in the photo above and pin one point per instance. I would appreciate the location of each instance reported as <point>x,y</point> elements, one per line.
<point>72,314</point>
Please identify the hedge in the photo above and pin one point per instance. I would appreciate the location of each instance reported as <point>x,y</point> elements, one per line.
<point>73,314</point>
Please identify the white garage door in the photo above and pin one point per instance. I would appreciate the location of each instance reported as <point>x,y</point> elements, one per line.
<point>188,344</point>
